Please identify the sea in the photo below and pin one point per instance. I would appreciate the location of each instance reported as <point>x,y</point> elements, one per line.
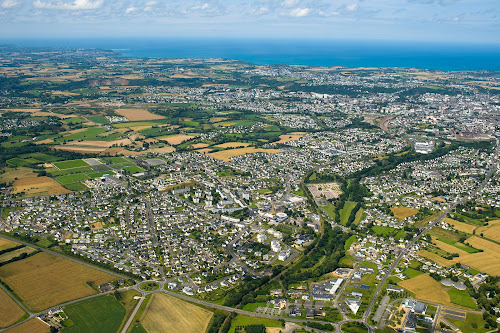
<point>312,52</point>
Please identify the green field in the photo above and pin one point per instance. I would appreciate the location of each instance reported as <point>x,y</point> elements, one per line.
<point>253,306</point>
<point>91,134</point>
<point>138,329</point>
<point>70,164</point>
<point>346,211</point>
<point>329,210</point>
<point>245,321</point>
<point>101,314</point>
<point>411,273</point>
<point>473,323</point>
<point>461,297</point>
<point>458,245</point>
<point>349,242</point>
<point>384,231</point>
<point>99,174</point>
<point>115,160</point>
<point>133,169</point>
<point>69,179</point>
<point>99,119</point>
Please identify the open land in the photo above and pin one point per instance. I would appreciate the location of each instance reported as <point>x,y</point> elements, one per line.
<point>426,288</point>
<point>138,114</point>
<point>403,212</point>
<point>38,186</point>
<point>32,326</point>
<point>226,155</point>
<point>10,312</point>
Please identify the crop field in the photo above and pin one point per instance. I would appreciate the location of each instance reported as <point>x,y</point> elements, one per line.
<point>290,137</point>
<point>176,138</point>
<point>436,258</point>
<point>91,134</point>
<point>487,261</point>
<point>426,288</point>
<point>6,244</point>
<point>401,212</point>
<point>39,283</point>
<point>32,326</point>
<point>226,155</point>
<point>246,321</point>
<point>460,226</point>
<point>38,186</point>
<point>10,312</point>
<point>10,174</point>
<point>9,255</point>
<point>101,314</point>
<point>385,231</point>
<point>70,164</point>
<point>81,149</point>
<point>138,114</point>
<point>448,248</point>
<point>166,313</point>
<point>461,297</point>
<point>491,231</point>
<point>233,145</point>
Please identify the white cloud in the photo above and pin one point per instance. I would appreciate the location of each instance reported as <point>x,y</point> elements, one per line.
<point>10,4</point>
<point>130,10</point>
<point>260,11</point>
<point>75,5</point>
<point>352,7</point>
<point>149,6</point>
<point>289,3</point>
<point>300,12</point>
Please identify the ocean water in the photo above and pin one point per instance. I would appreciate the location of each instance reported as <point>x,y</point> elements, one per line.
<point>441,56</point>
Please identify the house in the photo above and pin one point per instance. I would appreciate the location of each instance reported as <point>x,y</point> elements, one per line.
<point>106,287</point>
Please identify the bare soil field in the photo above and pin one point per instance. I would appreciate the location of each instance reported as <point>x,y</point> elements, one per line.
<point>64,93</point>
<point>39,283</point>
<point>10,312</point>
<point>225,155</point>
<point>426,288</point>
<point>39,186</point>
<point>165,313</point>
<point>233,145</point>
<point>33,326</point>
<point>137,114</point>
<point>176,138</point>
<point>403,212</point>
<point>460,226</point>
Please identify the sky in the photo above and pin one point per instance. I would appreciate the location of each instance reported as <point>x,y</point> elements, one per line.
<point>462,21</point>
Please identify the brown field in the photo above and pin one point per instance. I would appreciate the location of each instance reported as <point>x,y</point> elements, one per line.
<point>39,283</point>
<point>10,312</point>
<point>217,119</point>
<point>199,145</point>
<point>121,151</point>
<point>100,144</point>
<point>64,93</point>
<point>204,151</point>
<point>97,226</point>
<point>460,226</point>
<point>166,313</point>
<point>233,145</point>
<point>426,288</point>
<point>290,137</point>
<point>38,186</point>
<point>9,255</point>
<point>33,326</point>
<point>6,244</point>
<point>401,212</point>
<point>491,231</point>
<point>137,114</point>
<point>176,138</point>
<point>12,174</point>
<point>163,150</point>
<point>90,150</point>
<point>225,155</point>
<point>435,258</point>
<point>44,142</point>
<point>487,261</point>
<point>448,248</point>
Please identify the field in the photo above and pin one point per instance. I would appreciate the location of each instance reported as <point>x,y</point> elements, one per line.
<point>328,190</point>
<point>233,145</point>
<point>448,247</point>
<point>491,231</point>
<point>346,211</point>
<point>10,175</point>
<point>290,137</point>
<point>460,226</point>
<point>401,212</point>
<point>137,114</point>
<point>473,323</point>
<point>10,312</point>
<point>70,164</point>
<point>32,326</point>
<point>385,231</point>
<point>487,261</point>
<point>426,288</point>
<point>226,155</point>
<point>38,186</point>
<point>9,255</point>
<point>461,297</point>
<point>39,283</point>
<point>6,244</point>
<point>436,258</point>
<point>166,313</point>
<point>245,321</point>
<point>176,138</point>
<point>101,314</point>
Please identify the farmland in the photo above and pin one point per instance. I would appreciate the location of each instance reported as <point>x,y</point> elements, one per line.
<point>461,226</point>
<point>138,114</point>
<point>487,261</point>
<point>39,283</point>
<point>101,314</point>
<point>491,231</point>
<point>32,326</point>
<point>166,313</point>
<point>10,312</point>
<point>176,139</point>
<point>70,164</point>
<point>403,212</point>
<point>245,321</point>
<point>6,244</point>
<point>38,186</point>
<point>426,288</point>
<point>226,155</point>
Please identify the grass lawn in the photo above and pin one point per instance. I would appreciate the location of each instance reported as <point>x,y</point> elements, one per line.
<point>360,216</point>
<point>384,231</point>
<point>138,329</point>
<point>115,160</point>
<point>70,164</point>
<point>349,242</point>
<point>69,179</point>
<point>329,210</point>
<point>346,211</point>
<point>134,169</point>
<point>346,261</point>
<point>253,306</point>
<point>411,273</point>
<point>246,321</point>
<point>76,187</point>
<point>473,323</point>
<point>461,297</point>
<point>100,314</point>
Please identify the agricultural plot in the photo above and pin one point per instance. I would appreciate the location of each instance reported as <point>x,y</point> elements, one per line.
<point>38,186</point>
<point>290,137</point>
<point>426,288</point>
<point>461,297</point>
<point>491,231</point>
<point>101,314</point>
<point>7,244</point>
<point>32,326</point>
<point>138,114</point>
<point>70,164</point>
<point>10,312</point>
<point>246,321</point>
<point>176,139</point>
<point>9,255</point>
<point>226,155</point>
<point>346,211</point>
<point>401,212</point>
<point>487,261</point>
<point>460,226</point>
<point>39,283</point>
<point>166,313</point>
<point>68,179</point>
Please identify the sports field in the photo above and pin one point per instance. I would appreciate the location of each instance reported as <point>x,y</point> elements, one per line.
<point>32,326</point>
<point>38,186</point>
<point>10,312</point>
<point>137,114</point>
<point>98,315</point>
<point>401,212</point>
<point>70,164</point>
<point>45,280</point>
<point>225,155</point>
<point>166,313</point>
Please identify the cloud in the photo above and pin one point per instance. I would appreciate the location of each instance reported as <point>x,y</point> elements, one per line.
<point>10,4</point>
<point>149,5</point>
<point>300,12</point>
<point>260,11</point>
<point>130,10</point>
<point>289,3</point>
<point>352,7</point>
<point>75,5</point>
